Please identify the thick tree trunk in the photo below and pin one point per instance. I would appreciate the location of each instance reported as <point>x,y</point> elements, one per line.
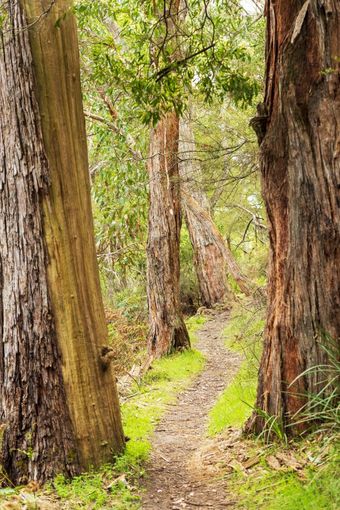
<point>301,174</point>
<point>167,328</point>
<point>212,257</point>
<point>58,402</point>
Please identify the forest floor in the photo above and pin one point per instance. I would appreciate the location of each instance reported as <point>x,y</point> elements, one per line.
<point>186,449</point>
<point>178,474</point>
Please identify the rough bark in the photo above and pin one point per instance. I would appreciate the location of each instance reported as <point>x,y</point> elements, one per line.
<point>168,332</point>
<point>212,257</point>
<point>300,167</point>
<point>58,403</point>
<point>167,328</point>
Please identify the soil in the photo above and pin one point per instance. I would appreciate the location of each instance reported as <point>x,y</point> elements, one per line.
<point>179,474</point>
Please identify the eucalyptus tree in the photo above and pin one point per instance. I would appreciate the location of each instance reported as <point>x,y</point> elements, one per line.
<point>157,54</point>
<point>298,130</point>
<point>58,402</point>
<point>168,332</point>
<point>212,257</point>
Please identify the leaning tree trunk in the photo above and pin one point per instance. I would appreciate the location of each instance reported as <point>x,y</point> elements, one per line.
<point>168,332</point>
<point>300,173</point>
<point>58,403</point>
<point>212,257</point>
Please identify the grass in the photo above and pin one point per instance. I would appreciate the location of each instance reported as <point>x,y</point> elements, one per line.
<point>111,487</point>
<point>317,488</point>
<point>159,388</point>
<point>97,490</point>
<point>233,406</point>
<point>242,335</point>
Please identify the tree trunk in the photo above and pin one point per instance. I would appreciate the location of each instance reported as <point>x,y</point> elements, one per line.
<point>300,173</point>
<point>58,402</point>
<point>212,257</point>
<point>168,332</point>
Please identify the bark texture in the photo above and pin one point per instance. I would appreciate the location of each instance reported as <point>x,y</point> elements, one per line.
<point>168,332</point>
<point>37,437</point>
<point>212,257</point>
<point>58,403</point>
<point>167,328</point>
<point>301,173</point>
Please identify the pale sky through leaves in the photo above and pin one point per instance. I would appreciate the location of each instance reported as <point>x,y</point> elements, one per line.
<point>249,6</point>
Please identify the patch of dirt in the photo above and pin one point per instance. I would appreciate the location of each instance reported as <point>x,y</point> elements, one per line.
<point>183,471</point>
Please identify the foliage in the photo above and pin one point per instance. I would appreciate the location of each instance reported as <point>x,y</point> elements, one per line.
<point>123,90</point>
<point>131,301</point>
<point>120,197</point>
<point>156,65</point>
<point>227,151</point>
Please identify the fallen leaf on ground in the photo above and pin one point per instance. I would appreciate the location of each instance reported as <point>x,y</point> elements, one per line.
<point>251,462</point>
<point>273,462</point>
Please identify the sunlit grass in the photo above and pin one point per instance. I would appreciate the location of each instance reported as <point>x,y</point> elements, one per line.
<point>317,488</point>
<point>158,388</point>
<point>234,406</point>
<point>110,487</point>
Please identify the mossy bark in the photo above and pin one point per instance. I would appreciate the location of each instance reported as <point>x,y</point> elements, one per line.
<point>58,402</point>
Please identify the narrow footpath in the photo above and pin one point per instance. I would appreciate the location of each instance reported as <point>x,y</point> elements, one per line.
<point>174,479</point>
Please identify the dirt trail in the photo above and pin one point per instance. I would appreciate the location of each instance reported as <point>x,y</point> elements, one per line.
<point>174,478</point>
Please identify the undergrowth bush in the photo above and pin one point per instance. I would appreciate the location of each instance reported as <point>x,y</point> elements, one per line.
<point>127,339</point>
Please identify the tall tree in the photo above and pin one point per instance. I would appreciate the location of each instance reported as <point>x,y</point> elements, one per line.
<point>167,328</point>
<point>168,332</point>
<point>298,128</point>
<point>58,402</point>
<point>212,256</point>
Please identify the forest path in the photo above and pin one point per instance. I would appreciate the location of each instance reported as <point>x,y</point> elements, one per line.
<point>175,478</point>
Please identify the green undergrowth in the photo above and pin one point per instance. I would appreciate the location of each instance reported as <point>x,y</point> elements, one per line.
<point>158,388</point>
<point>243,335</point>
<point>112,486</point>
<point>316,487</point>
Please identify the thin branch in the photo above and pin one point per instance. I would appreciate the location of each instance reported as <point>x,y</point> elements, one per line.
<point>166,70</point>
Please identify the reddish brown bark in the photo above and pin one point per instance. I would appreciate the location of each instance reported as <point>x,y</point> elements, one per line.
<point>167,328</point>
<point>300,173</point>
<point>168,332</point>
<point>212,257</point>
